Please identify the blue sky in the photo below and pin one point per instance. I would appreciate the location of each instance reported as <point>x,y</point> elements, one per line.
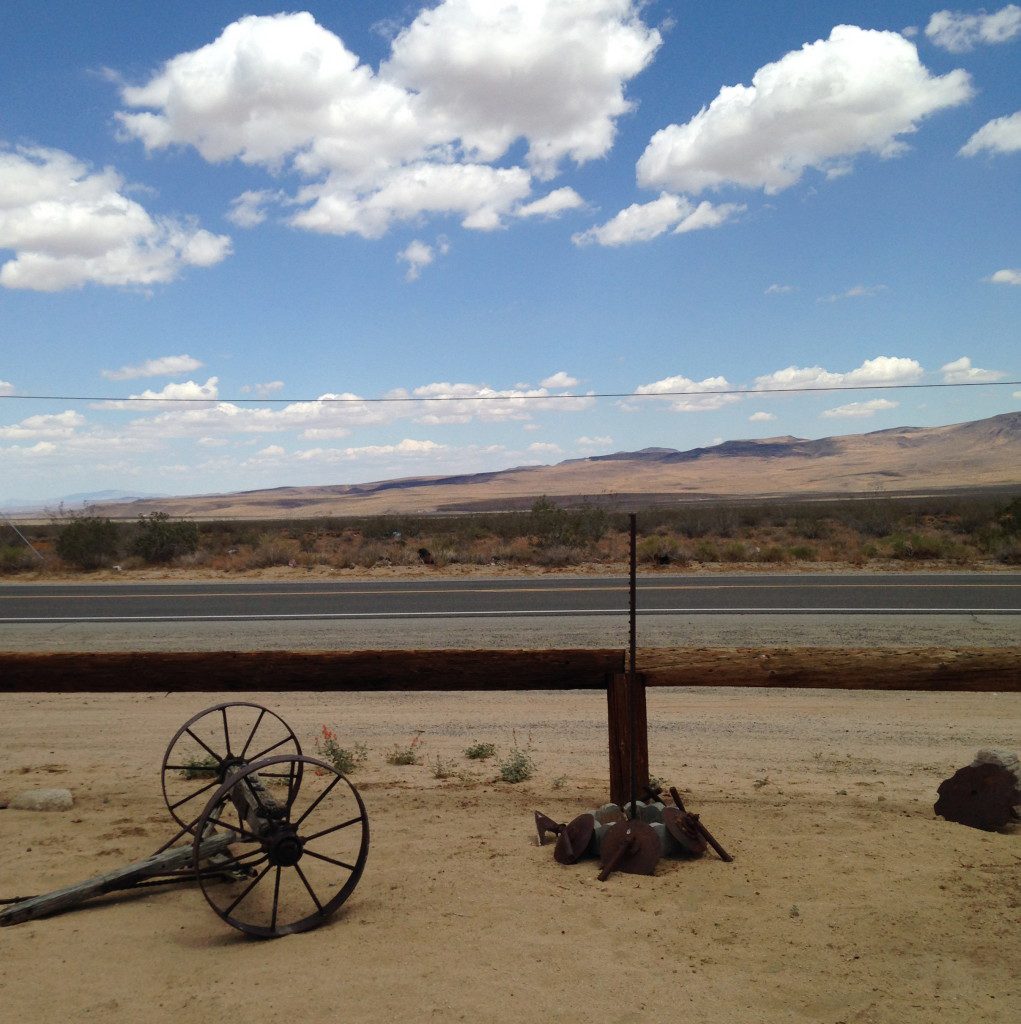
<point>543,197</point>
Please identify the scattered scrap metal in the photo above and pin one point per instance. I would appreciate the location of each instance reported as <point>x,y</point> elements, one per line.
<point>630,840</point>
<point>985,794</point>
<point>247,845</point>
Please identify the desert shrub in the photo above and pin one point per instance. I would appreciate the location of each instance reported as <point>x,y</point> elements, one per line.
<point>1010,553</point>
<point>734,551</point>
<point>17,558</point>
<point>88,541</point>
<point>552,525</point>
<point>706,551</point>
<point>660,551</point>
<point>344,759</point>
<point>1009,518</point>
<point>157,539</point>
<point>773,553</point>
<point>409,754</point>
<point>480,751</point>
<point>443,768</point>
<point>803,552</point>
<point>201,766</point>
<point>517,766</point>
<point>270,551</point>
<point>917,547</point>
<point>557,556</point>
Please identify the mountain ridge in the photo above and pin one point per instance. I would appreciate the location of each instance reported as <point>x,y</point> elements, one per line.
<point>977,453</point>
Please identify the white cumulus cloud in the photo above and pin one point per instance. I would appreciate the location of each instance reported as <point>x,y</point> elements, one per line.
<point>858,291</point>
<point>417,255</point>
<point>761,417</point>
<point>1001,135</point>
<point>164,366</point>
<point>187,391</point>
<point>560,379</point>
<point>693,401</point>
<point>642,222</point>
<point>818,107</point>
<point>880,370</point>
<point>960,371</point>
<point>69,226</point>
<point>1008,275</point>
<point>6,387</point>
<point>960,32</point>
<point>462,84</point>
<point>552,204</point>
<point>860,410</point>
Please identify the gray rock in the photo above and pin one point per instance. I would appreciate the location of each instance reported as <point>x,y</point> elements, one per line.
<point>43,800</point>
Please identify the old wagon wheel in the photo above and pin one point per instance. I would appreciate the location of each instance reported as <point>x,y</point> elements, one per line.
<point>303,847</point>
<point>213,743</point>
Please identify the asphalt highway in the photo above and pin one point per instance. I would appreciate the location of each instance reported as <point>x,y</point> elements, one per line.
<point>900,594</point>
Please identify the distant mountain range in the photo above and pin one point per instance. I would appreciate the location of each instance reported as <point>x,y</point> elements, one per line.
<point>903,460</point>
<point>74,500</point>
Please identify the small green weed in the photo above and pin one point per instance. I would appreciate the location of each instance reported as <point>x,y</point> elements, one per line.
<point>443,768</point>
<point>480,751</point>
<point>518,765</point>
<point>343,759</point>
<point>203,766</point>
<point>406,755</point>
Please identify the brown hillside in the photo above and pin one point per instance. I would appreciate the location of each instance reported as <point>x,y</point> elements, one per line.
<point>983,453</point>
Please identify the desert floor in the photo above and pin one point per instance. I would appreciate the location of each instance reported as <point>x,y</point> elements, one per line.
<point>848,900</point>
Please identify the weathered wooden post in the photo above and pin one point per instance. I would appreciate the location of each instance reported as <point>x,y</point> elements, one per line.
<point>626,707</point>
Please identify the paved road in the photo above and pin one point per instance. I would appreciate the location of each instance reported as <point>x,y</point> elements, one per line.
<point>986,594</point>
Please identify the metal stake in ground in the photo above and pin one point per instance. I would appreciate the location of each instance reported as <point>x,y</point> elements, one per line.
<point>632,655</point>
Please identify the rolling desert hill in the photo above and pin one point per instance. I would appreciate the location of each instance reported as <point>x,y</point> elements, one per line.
<point>979,454</point>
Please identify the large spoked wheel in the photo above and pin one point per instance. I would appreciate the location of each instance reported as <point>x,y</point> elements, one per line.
<point>301,849</point>
<point>213,743</point>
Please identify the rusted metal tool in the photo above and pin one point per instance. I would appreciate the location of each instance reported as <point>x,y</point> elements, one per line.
<point>272,852</point>
<point>629,846</point>
<point>691,821</point>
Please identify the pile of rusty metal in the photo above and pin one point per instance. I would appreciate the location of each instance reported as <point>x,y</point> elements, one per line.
<point>631,838</point>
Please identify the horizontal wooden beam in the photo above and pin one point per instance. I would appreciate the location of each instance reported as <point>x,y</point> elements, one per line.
<point>326,671</point>
<point>935,669</point>
<point>974,669</point>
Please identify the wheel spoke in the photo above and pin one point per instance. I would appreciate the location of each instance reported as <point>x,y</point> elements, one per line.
<point>226,731</point>
<point>333,828</point>
<point>251,836</point>
<point>174,807</point>
<point>311,891</point>
<point>204,745</point>
<point>248,889</point>
<point>251,735</point>
<point>291,791</point>
<point>276,900</point>
<point>330,860</point>
<point>263,753</point>
<point>315,803</point>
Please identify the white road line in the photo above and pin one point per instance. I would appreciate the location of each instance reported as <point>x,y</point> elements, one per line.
<point>516,614</point>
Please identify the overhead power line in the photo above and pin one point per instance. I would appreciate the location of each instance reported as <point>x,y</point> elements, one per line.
<point>384,400</point>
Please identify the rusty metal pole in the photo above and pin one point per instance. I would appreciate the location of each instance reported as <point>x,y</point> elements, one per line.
<point>632,652</point>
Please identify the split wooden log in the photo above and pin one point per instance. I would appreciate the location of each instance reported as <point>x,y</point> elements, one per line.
<point>121,878</point>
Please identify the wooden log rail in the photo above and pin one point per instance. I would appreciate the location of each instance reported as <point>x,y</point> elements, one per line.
<point>224,672</point>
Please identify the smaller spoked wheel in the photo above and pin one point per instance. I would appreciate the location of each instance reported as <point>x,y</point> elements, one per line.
<point>212,744</point>
<point>300,849</point>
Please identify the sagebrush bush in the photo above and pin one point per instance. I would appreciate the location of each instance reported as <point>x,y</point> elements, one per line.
<point>88,541</point>
<point>157,539</point>
<point>517,766</point>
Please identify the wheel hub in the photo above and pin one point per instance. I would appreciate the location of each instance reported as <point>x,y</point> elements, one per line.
<point>284,849</point>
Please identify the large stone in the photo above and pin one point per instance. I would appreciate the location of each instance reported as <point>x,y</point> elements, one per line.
<point>43,800</point>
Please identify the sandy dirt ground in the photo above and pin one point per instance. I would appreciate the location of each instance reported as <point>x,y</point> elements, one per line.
<point>848,901</point>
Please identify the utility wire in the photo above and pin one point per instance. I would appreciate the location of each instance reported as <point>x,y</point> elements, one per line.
<point>345,400</point>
